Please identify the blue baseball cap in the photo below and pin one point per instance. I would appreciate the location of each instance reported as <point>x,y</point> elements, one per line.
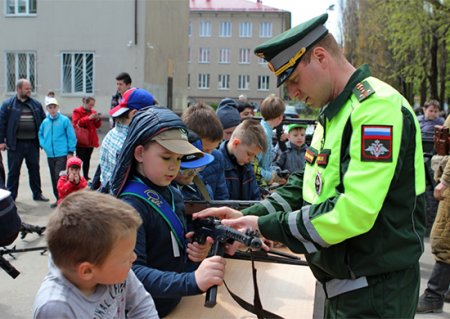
<point>195,160</point>
<point>133,99</point>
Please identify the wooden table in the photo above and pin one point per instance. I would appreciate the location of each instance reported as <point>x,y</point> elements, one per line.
<point>285,290</point>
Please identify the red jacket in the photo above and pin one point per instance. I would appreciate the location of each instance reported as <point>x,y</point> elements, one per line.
<point>65,187</point>
<point>80,117</point>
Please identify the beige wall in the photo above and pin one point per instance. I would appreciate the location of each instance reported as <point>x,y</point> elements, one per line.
<point>280,22</point>
<point>106,27</point>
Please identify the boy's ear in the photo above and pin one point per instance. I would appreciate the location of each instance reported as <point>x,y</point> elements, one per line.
<point>235,142</point>
<point>139,153</point>
<point>85,271</point>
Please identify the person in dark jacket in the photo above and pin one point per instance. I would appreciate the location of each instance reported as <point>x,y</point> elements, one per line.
<point>9,219</point>
<point>20,119</point>
<point>293,158</point>
<point>149,161</point>
<point>247,140</point>
<point>202,119</point>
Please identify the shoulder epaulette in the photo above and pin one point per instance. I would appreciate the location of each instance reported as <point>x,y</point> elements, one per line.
<point>363,90</point>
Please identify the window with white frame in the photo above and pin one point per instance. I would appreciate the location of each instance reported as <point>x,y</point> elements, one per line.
<point>204,55</point>
<point>21,7</point>
<point>203,81</point>
<point>263,82</point>
<point>244,82</point>
<point>205,29</point>
<point>265,30</point>
<point>225,29</point>
<point>190,29</point>
<point>189,80</point>
<point>20,65</point>
<point>224,82</point>
<point>245,29</point>
<point>244,56</point>
<point>224,55</point>
<point>77,72</point>
<point>189,55</point>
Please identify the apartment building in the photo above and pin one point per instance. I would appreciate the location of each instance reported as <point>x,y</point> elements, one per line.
<point>77,47</point>
<point>222,37</point>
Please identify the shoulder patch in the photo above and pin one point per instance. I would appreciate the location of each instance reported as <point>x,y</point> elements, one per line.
<point>363,90</point>
<point>376,143</point>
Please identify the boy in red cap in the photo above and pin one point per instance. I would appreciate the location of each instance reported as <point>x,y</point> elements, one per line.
<point>72,181</point>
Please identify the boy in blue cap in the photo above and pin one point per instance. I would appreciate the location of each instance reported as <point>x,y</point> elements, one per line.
<point>148,163</point>
<point>293,158</point>
<point>357,211</point>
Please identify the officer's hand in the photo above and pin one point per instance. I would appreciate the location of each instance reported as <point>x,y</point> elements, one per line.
<point>219,212</point>
<point>2,146</point>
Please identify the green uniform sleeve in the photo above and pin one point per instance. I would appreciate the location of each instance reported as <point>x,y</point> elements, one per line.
<point>282,200</point>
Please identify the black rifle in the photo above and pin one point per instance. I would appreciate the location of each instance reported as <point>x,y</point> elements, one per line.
<point>6,265</point>
<point>221,234</point>
<point>195,206</point>
<point>290,120</point>
<point>26,229</point>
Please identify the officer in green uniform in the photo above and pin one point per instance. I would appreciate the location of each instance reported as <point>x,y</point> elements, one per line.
<point>357,211</point>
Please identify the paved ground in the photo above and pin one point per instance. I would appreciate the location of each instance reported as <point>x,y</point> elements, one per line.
<point>17,295</point>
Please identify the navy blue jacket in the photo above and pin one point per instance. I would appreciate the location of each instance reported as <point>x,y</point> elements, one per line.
<point>213,176</point>
<point>163,275</point>
<point>10,116</point>
<point>241,180</point>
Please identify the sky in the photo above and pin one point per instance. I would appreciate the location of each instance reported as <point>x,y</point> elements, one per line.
<point>303,10</point>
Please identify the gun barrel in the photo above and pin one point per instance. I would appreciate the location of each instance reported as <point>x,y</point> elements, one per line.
<point>10,270</point>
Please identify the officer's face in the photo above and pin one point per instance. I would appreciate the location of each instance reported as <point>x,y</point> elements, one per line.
<point>309,82</point>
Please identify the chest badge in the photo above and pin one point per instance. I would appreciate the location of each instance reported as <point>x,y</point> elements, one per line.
<point>318,183</point>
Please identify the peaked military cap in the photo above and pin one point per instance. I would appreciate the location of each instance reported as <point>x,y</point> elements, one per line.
<point>284,52</point>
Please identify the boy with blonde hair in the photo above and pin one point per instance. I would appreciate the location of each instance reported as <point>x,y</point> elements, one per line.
<point>272,111</point>
<point>91,238</point>
<point>246,142</point>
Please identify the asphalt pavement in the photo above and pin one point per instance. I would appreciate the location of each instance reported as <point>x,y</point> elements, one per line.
<point>17,295</point>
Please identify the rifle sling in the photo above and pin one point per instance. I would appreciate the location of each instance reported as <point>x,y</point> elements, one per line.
<point>202,188</point>
<point>256,308</point>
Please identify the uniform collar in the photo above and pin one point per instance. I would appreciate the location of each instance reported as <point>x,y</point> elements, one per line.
<point>334,106</point>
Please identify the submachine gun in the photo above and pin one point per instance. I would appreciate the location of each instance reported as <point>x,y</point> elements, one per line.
<point>222,235</point>
<point>6,265</point>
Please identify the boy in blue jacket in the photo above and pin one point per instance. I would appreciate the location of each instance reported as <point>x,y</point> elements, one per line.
<point>148,163</point>
<point>57,138</point>
<point>246,142</point>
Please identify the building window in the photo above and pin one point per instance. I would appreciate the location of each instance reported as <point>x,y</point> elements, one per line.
<point>262,61</point>
<point>263,82</point>
<point>225,29</point>
<point>244,56</point>
<point>205,29</point>
<point>265,30</point>
<point>190,29</point>
<point>204,55</point>
<point>77,73</point>
<point>189,80</point>
<point>203,81</point>
<point>224,82</point>
<point>20,65</point>
<point>245,30</point>
<point>244,82</point>
<point>224,55</point>
<point>21,7</point>
<point>189,55</point>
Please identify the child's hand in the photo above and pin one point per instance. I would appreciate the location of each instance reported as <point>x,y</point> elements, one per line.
<point>77,178</point>
<point>71,177</point>
<point>210,273</point>
<point>197,252</point>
